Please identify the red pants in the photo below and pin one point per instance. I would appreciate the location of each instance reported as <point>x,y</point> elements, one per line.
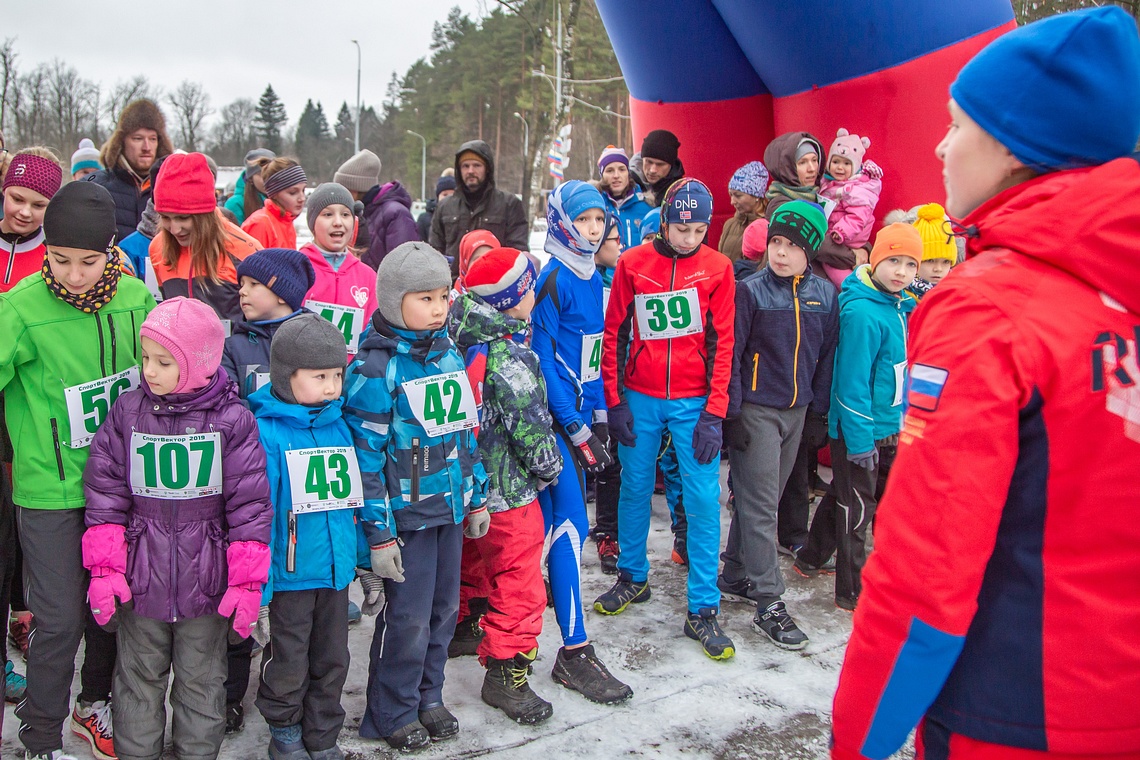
<point>934,742</point>
<point>512,556</point>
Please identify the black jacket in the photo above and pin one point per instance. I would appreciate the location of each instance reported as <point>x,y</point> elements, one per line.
<point>423,221</point>
<point>130,200</point>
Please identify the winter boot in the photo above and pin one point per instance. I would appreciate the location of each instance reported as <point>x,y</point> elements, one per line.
<point>608,553</point>
<point>438,721</point>
<point>623,593</point>
<point>581,670</point>
<point>285,743</point>
<point>467,636</point>
<point>703,627</point>
<point>774,622</point>
<point>332,753</point>
<point>505,686</point>
<point>409,738</point>
<point>55,754</point>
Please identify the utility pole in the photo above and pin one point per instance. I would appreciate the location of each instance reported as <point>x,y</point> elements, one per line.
<point>526,151</point>
<point>356,138</point>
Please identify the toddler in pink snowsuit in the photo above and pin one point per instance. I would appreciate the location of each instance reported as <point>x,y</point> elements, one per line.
<point>849,193</point>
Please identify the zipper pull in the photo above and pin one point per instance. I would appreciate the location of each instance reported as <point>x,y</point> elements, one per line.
<point>291,549</point>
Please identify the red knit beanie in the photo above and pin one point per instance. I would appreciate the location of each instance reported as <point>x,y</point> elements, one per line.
<point>501,277</point>
<point>185,186</point>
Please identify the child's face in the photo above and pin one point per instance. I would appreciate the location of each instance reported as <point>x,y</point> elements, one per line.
<point>23,210</point>
<point>478,254</point>
<point>975,166</point>
<point>841,168</point>
<point>743,202</point>
<point>159,368</point>
<point>83,173</point>
<point>807,170</point>
<point>316,386</point>
<point>76,269</point>
<point>259,303</point>
<point>607,255</point>
<point>523,308</point>
<point>591,223</point>
<point>291,199</point>
<point>181,228</point>
<point>425,309</point>
<point>933,270</point>
<point>333,228</point>
<point>786,259</point>
<point>616,178</point>
<point>896,273</point>
<point>686,237</point>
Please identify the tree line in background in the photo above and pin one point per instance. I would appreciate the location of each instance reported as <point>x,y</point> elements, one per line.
<point>478,76</point>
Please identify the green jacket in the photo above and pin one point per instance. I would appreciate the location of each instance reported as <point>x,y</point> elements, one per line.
<point>49,346</point>
<point>516,432</point>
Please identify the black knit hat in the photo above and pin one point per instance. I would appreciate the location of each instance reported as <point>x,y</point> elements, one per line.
<point>81,215</point>
<point>288,273</point>
<point>306,341</point>
<point>662,145</point>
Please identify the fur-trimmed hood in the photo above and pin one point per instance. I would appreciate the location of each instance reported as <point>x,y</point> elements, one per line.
<point>139,114</point>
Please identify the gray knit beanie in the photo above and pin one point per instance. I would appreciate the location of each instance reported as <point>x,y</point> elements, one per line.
<point>360,173</point>
<point>328,194</point>
<point>409,268</point>
<point>307,341</point>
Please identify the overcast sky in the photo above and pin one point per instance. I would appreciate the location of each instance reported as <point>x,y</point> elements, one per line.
<point>234,48</point>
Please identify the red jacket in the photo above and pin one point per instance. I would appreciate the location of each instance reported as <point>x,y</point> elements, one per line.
<point>272,227</point>
<point>20,257</point>
<point>694,364</point>
<point>1003,596</point>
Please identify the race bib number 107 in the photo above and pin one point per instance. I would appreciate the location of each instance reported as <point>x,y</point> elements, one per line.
<point>88,404</point>
<point>176,466</point>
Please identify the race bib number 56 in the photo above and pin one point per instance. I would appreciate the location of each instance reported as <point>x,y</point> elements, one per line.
<point>176,466</point>
<point>442,403</point>
<point>88,404</point>
<point>324,479</point>
<point>668,315</point>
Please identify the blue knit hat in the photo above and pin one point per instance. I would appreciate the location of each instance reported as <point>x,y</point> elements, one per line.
<point>286,272</point>
<point>1061,92</point>
<point>651,224</point>
<point>578,196</point>
<point>444,183</point>
<point>752,178</point>
<point>688,201</point>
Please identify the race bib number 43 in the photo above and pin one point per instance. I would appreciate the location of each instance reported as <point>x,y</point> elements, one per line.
<point>88,404</point>
<point>348,319</point>
<point>668,315</point>
<point>324,479</point>
<point>176,466</point>
<point>442,403</point>
<point>591,358</point>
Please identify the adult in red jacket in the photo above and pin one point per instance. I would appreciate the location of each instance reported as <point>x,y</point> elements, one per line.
<point>1002,603</point>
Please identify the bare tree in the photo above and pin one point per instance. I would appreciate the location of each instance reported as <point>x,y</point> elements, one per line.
<point>234,133</point>
<point>30,106</point>
<point>191,107</point>
<point>126,92</point>
<point>7,78</point>
<point>73,105</point>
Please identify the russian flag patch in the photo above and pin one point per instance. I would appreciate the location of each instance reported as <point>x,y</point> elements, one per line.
<point>925,385</point>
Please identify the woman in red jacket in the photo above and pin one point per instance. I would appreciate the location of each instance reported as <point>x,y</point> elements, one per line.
<point>272,224</point>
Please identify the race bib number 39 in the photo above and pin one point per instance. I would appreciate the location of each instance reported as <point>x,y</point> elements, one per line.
<point>591,358</point>
<point>348,319</point>
<point>324,479</point>
<point>88,404</point>
<point>176,466</point>
<point>442,403</point>
<point>668,315</point>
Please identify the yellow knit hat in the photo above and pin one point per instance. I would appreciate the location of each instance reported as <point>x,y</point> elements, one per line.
<point>937,242</point>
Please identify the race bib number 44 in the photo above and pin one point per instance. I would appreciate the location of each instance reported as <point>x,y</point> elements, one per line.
<point>324,479</point>
<point>176,466</point>
<point>442,403</point>
<point>88,404</point>
<point>348,319</point>
<point>668,315</point>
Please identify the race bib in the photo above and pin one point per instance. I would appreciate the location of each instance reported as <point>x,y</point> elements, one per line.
<point>88,404</point>
<point>668,315</point>
<point>254,380</point>
<point>176,466</point>
<point>324,479</point>
<point>227,327</point>
<point>900,383</point>
<point>348,319</point>
<point>605,299</point>
<point>442,403</point>
<point>591,358</point>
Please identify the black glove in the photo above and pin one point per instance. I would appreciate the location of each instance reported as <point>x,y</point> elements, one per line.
<point>590,451</point>
<point>622,424</point>
<point>736,436</point>
<point>707,438</point>
<point>815,431</point>
<point>602,431</point>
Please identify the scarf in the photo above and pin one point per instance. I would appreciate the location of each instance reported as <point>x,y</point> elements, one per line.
<point>565,243</point>
<point>98,295</point>
<point>793,192</point>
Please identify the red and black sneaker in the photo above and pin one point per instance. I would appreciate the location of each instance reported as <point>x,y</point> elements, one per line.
<point>608,553</point>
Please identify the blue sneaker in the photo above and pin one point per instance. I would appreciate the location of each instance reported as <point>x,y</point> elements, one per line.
<point>354,613</point>
<point>14,684</point>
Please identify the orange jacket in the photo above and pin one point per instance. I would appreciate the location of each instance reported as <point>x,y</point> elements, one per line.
<point>272,227</point>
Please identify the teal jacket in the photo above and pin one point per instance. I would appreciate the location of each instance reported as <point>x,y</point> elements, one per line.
<point>870,363</point>
<point>236,202</point>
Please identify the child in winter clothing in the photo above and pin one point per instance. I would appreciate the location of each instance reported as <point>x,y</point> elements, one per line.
<point>787,322</point>
<point>607,256</point>
<point>471,246</point>
<point>650,225</point>
<point>412,410</point>
<point>568,324</point>
<point>272,224</point>
<point>746,190</point>
<point>939,246</point>
<point>315,538</point>
<point>753,247</point>
<point>344,290</point>
<point>622,195</point>
<point>178,527</point>
<point>85,160</point>
<point>850,191</point>
<point>249,190</point>
<point>30,183</point>
<point>667,360</point>
<point>521,456</point>
<point>866,398</point>
<point>74,322</point>
<point>273,286</point>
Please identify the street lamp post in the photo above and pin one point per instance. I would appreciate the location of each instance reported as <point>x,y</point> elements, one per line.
<point>356,138</point>
<point>526,151</point>
<point>423,166</point>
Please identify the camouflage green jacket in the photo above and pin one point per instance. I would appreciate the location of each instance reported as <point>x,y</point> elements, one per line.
<point>516,436</point>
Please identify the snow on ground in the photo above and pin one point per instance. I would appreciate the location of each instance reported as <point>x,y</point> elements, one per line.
<point>764,703</point>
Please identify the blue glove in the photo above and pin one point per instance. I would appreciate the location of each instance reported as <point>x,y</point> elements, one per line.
<point>707,437</point>
<point>868,460</point>
<point>621,424</point>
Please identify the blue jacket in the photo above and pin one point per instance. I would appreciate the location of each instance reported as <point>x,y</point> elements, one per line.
<point>137,247</point>
<point>786,328</point>
<point>870,363</point>
<point>629,211</point>
<point>326,542</point>
<point>567,308</point>
<point>246,353</point>
<point>449,480</point>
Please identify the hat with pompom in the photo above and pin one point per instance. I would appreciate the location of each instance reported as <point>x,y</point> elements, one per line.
<point>501,277</point>
<point>934,228</point>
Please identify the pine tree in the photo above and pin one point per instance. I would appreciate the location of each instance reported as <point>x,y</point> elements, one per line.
<point>270,119</point>
<point>344,124</point>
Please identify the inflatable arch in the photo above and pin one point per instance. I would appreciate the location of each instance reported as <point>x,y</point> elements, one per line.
<point>726,76</point>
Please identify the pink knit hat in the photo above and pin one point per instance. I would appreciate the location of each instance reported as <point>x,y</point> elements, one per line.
<point>192,333</point>
<point>755,241</point>
<point>849,146</point>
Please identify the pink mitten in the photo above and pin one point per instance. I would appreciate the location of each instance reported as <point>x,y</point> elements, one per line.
<point>248,563</point>
<point>105,555</point>
<point>244,603</point>
<point>103,591</point>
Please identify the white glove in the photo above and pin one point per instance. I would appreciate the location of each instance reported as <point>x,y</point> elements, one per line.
<point>478,523</point>
<point>387,562</point>
<point>261,628</point>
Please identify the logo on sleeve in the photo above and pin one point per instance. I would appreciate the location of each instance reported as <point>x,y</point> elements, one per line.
<point>925,387</point>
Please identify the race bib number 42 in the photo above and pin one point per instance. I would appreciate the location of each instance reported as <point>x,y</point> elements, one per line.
<point>88,404</point>
<point>176,466</point>
<point>324,479</point>
<point>348,319</point>
<point>668,315</point>
<point>442,403</point>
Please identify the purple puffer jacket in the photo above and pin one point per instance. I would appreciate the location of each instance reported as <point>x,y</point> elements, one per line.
<point>388,213</point>
<point>176,549</point>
